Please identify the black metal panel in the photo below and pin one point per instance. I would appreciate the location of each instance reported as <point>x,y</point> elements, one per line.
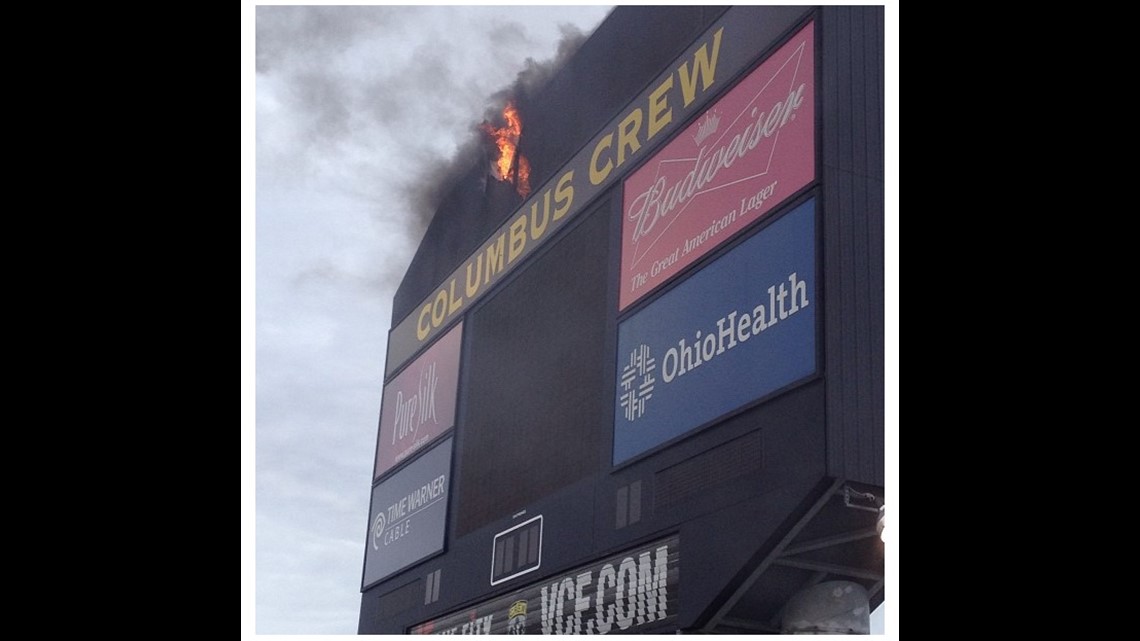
<point>876,234</point>
<point>722,464</point>
<point>875,242</point>
<point>378,607</point>
<point>852,63</point>
<point>751,502</point>
<point>456,230</point>
<point>536,401</point>
<point>566,542</point>
<point>717,558</point>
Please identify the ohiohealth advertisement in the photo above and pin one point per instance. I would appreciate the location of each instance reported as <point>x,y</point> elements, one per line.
<point>739,329</point>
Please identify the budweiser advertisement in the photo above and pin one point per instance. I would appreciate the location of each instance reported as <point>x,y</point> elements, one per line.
<point>735,163</point>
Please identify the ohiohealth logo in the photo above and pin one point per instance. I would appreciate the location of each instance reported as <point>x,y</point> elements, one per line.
<point>634,397</point>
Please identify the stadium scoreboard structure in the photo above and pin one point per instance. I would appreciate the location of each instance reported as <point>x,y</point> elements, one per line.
<point>648,397</point>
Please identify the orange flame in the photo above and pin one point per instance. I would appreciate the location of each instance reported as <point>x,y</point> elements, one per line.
<point>523,184</point>
<point>507,140</point>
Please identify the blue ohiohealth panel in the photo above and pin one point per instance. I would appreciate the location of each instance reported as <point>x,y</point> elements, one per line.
<point>741,328</point>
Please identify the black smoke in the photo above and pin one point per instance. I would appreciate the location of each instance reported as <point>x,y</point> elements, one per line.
<point>437,177</point>
<point>364,104</point>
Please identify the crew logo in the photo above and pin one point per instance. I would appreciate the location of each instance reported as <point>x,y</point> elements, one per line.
<point>637,382</point>
<point>517,618</point>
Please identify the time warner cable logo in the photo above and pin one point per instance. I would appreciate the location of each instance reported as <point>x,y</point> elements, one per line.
<point>633,398</point>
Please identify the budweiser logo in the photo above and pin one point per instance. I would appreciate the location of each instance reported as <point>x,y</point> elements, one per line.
<point>707,127</point>
<point>667,198</point>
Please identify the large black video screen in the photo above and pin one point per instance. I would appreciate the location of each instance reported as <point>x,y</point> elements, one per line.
<point>536,380</point>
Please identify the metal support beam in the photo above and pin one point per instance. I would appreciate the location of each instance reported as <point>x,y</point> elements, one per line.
<point>815,578</point>
<point>829,541</point>
<point>732,600</point>
<point>830,568</point>
<point>744,624</point>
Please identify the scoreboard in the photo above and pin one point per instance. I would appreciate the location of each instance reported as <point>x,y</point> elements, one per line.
<point>649,396</point>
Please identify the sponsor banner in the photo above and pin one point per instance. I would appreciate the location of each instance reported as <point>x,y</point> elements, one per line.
<point>680,92</point>
<point>744,155</point>
<point>419,404</point>
<point>634,591</point>
<point>408,518</point>
<point>739,329</point>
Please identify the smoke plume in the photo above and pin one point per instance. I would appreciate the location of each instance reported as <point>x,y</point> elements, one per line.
<point>365,104</point>
<point>438,176</point>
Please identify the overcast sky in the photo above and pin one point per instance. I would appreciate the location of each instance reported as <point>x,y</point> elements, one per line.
<point>354,106</point>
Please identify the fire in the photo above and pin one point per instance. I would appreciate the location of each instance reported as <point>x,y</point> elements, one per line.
<point>523,184</point>
<point>506,138</point>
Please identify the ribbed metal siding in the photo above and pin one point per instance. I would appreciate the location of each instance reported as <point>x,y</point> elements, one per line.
<point>852,64</point>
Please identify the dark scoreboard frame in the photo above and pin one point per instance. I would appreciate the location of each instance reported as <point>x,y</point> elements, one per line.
<point>802,444</point>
